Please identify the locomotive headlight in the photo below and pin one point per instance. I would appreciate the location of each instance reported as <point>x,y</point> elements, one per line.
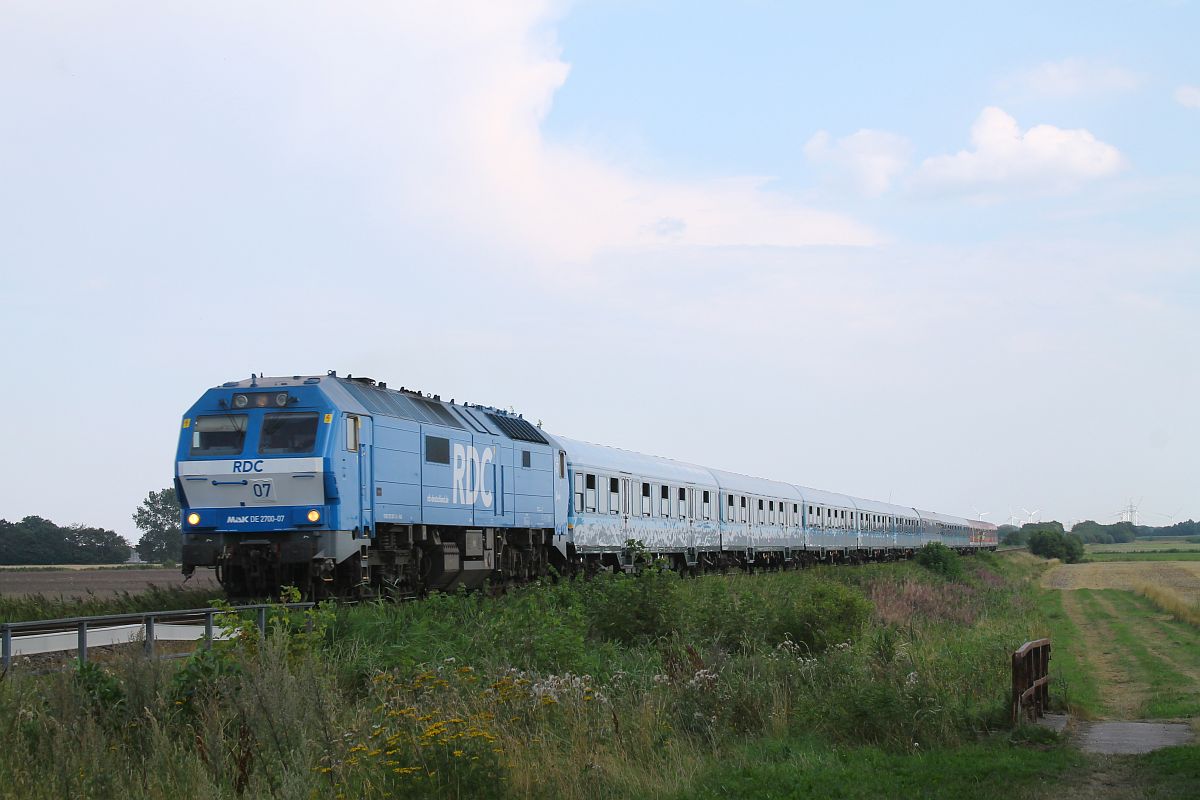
<point>240,401</point>
<point>193,518</point>
<point>281,399</point>
<point>314,516</point>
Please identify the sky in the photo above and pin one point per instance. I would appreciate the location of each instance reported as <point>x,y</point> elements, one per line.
<point>941,254</point>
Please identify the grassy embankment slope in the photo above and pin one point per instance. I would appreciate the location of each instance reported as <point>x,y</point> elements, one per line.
<point>876,681</point>
<point>879,681</point>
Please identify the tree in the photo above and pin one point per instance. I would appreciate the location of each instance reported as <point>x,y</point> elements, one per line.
<point>34,540</point>
<point>1055,544</point>
<point>158,519</point>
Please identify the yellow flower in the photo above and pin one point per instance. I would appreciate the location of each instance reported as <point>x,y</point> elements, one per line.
<point>458,753</point>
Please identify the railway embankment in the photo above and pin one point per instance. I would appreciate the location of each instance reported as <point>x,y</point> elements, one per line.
<point>882,680</point>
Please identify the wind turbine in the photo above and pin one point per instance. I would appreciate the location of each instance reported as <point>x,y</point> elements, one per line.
<point>1031,514</point>
<point>981,514</point>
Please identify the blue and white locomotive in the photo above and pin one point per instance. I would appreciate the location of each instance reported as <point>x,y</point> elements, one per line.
<point>342,485</point>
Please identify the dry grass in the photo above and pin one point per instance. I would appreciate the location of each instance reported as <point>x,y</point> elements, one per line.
<point>1182,577</point>
<point>1172,602</point>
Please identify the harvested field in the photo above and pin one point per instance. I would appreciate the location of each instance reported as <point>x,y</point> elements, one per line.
<point>76,583</point>
<point>1182,576</point>
<point>1144,546</point>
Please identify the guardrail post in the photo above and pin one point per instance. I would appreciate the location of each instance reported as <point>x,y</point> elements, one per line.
<point>6,636</point>
<point>208,629</point>
<point>82,646</point>
<point>262,621</point>
<point>150,635</point>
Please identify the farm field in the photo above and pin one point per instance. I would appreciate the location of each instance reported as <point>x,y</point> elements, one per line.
<point>1180,576</point>
<point>1176,544</point>
<point>100,583</point>
<point>1148,555</point>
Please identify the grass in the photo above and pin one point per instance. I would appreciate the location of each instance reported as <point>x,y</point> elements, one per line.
<point>22,608</point>
<point>1073,688</point>
<point>993,768</point>
<point>1172,602</point>
<point>1148,555</point>
<point>616,687</point>
<point>1171,693</point>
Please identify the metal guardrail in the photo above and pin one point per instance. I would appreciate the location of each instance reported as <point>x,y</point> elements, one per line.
<point>147,619</point>
<point>1031,680</point>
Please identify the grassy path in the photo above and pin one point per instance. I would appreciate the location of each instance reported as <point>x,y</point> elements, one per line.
<point>1120,657</point>
<point>1118,692</point>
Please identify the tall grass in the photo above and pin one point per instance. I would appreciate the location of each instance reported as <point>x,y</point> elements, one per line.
<point>616,687</point>
<point>1171,602</point>
<point>155,598</point>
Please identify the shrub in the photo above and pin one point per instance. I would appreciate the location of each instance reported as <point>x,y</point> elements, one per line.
<point>936,557</point>
<point>822,614</point>
<point>631,608</point>
<point>1054,544</point>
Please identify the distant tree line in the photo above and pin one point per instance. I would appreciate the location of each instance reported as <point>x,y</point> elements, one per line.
<point>35,541</point>
<point>1090,532</point>
<point>1188,528</point>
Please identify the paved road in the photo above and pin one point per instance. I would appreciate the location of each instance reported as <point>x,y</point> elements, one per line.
<point>40,643</point>
<point>1121,738</point>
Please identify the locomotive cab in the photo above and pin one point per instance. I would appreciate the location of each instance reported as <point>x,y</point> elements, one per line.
<point>253,462</point>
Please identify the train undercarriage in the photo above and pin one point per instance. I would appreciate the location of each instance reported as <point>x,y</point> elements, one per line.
<point>407,561</point>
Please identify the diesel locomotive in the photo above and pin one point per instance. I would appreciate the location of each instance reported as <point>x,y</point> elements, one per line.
<point>343,486</point>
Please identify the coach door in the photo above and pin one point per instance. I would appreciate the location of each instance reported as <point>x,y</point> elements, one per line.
<point>625,503</point>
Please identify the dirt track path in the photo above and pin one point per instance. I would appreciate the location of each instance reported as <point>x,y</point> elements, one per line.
<point>1124,696</point>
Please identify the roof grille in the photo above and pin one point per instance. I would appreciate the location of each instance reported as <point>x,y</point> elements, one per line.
<point>517,428</point>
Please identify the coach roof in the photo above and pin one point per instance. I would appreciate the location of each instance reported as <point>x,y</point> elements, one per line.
<point>614,460</point>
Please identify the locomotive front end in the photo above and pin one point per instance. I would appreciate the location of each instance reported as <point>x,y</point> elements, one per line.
<point>254,481</point>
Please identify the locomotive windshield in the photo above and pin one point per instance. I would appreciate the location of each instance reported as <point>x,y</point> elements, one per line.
<point>219,435</point>
<point>288,433</point>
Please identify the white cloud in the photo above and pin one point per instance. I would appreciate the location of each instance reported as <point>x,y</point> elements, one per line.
<point>1188,96</point>
<point>872,159</point>
<point>1073,77</point>
<point>1042,157</point>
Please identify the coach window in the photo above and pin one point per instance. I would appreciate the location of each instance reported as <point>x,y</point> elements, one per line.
<point>614,493</point>
<point>706,505</point>
<point>352,434</point>
<point>664,507</point>
<point>562,464</point>
<point>683,503</point>
<point>578,493</point>
<point>589,498</point>
<point>729,510</point>
<point>437,450</point>
<point>744,514</point>
<point>771,511</point>
<point>219,436</point>
<point>601,495</point>
<point>525,458</point>
<point>645,499</point>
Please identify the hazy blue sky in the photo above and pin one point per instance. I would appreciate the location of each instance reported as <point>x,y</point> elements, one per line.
<point>941,253</point>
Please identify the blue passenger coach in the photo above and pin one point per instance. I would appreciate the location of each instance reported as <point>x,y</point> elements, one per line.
<point>342,485</point>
